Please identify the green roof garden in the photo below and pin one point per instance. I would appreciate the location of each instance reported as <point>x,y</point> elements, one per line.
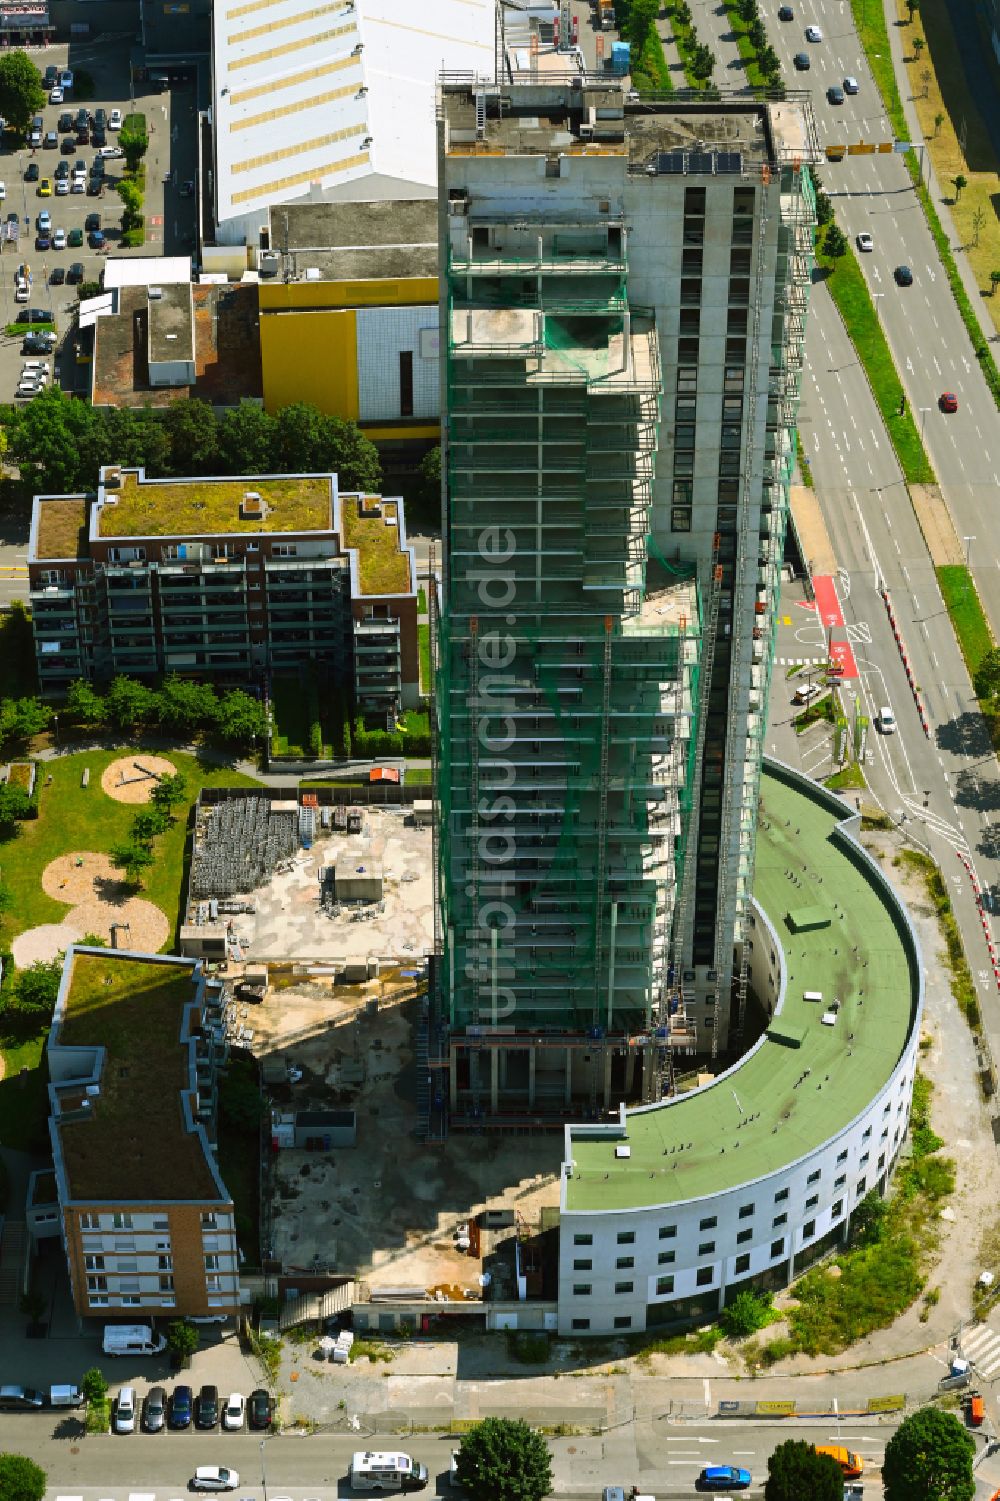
<point>371,524</point>
<point>806,1080</point>
<point>210,507</point>
<point>62,529</point>
<point>134,1144</point>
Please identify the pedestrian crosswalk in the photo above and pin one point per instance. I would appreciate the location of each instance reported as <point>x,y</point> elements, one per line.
<point>802,661</point>
<point>981,1346</point>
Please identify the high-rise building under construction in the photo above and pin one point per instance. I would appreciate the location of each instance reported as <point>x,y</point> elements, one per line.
<point>623,299</point>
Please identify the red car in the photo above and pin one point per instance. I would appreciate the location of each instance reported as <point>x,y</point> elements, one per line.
<point>948,401</point>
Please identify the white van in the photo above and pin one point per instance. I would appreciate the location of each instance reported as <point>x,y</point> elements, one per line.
<point>132,1339</point>
<point>125,1411</point>
<point>386,1472</point>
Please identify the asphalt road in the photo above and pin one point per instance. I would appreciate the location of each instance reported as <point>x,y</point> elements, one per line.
<point>666,1459</point>
<point>927,337</point>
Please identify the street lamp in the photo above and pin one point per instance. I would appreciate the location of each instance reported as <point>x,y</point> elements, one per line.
<point>923,421</point>
<point>263,1473</point>
<point>968,543</point>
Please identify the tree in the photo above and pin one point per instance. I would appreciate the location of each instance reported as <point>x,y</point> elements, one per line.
<point>986,678</point>
<point>868,1222</point>
<point>129,703</point>
<point>94,1385</point>
<point>835,244</point>
<point>132,859</point>
<point>641,16</point>
<point>504,1459</point>
<point>350,455</point>
<point>35,988</point>
<point>20,1478</point>
<point>994,282</point>
<point>246,440</point>
<point>795,1470</point>
<point>918,46</point>
<point>240,1099</point>
<point>925,79</point>
<point>747,11</point>
<point>149,823</point>
<point>748,1312</point>
<point>22,718</point>
<point>960,183</point>
<point>429,487</point>
<point>51,442</point>
<point>131,436</point>
<point>133,140</point>
<point>703,62</point>
<point>6,901</point>
<point>240,718</point>
<point>193,432</point>
<point>183,705</point>
<point>21,92</point>
<point>83,704</point>
<point>929,1458</point>
<point>130,194</point>
<point>15,805</point>
<point>912,6</point>
<point>182,1338</point>
<point>170,791</point>
<point>938,122</point>
<point>978,220</point>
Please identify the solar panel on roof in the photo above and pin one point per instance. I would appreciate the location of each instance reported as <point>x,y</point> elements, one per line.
<point>699,161</point>
<point>729,161</point>
<point>669,161</point>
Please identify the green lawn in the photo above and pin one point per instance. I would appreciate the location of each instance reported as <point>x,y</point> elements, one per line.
<point>849,291</point>
<point>424,641</point>
<point>24,1105</point>
<point>71,817</point>
<point>290,715</point>
<point>848,777</point>
<point>968,621</point>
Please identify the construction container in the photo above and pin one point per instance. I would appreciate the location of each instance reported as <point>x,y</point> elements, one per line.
<point>621,57</point>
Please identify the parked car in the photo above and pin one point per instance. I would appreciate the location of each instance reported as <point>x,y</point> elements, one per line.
<point>51,140</point>
<point>43,240</point>
<point>214,1478</point>
<point>50,77</point>
<point>68,146</point>
<point>75,238</point>
<point>101,118</point>
<point>92,221</point>
<point>154,1409</point>
<point>31,172</point>
<point>723,1478</point>
<point>111,153</point>
<point>57,276</point>
<point>235,1411</point>
<point>259,1409</point>
<point>44,220</point>
<point>56,95</point>
<point>66,78</point>
<point>45,188</point>
<point>97,240</point>
<point>65,121</point>
<point>124,1419</point>
<point>83,135</point>
<point>75,273</point>
<point>206,1412</point>
<point>62,170</point>
<point>181,1403</point>
<point>98,136</point>
<point>115,120</point>
<point>59,239</point>
<point>40,343</point>
<point>82,119</point>
<point>20,1399</point>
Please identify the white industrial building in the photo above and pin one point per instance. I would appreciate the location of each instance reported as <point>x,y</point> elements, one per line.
<point>672,1209</point>
<point>332,102</point>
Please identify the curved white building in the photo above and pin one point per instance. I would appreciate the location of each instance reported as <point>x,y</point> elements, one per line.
<point>748,1179</point>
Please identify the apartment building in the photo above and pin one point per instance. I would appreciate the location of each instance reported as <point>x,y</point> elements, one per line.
<point>623,298</point>
<point>146,1221</point>
<point>225,578</point>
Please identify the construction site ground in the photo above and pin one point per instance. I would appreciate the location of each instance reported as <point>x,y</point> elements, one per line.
<point>387,1210</point>
<point>290,923</point>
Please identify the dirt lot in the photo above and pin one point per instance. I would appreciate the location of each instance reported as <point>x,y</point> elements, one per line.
<point>386,1210</point>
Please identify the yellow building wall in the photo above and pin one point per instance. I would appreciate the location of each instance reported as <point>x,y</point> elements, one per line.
<point>310,356</point>
<point>279,297</point>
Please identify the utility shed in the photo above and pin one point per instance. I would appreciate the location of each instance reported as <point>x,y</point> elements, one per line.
<point>320,1130</point>
<point>170,335</point>
<point>358,881</point>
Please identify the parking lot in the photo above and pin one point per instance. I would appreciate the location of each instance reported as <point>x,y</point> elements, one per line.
<point>170,218</point>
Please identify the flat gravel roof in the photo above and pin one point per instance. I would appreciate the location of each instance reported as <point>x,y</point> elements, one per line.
<point>805,1081</point>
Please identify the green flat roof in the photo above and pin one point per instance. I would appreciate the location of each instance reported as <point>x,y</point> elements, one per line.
<point>706,1142</point>
<point>208,507</point>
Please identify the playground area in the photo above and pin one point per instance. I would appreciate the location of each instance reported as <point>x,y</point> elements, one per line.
<point>132,779</point>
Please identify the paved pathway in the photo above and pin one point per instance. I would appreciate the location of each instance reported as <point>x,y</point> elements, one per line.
<point>713,27</point>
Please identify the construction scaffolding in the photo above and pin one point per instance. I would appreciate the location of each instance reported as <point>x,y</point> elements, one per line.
<point>568,665</point>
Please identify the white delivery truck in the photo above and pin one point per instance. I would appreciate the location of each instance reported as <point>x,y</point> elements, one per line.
<point>372,1471</point>
<point>132,1339</point>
